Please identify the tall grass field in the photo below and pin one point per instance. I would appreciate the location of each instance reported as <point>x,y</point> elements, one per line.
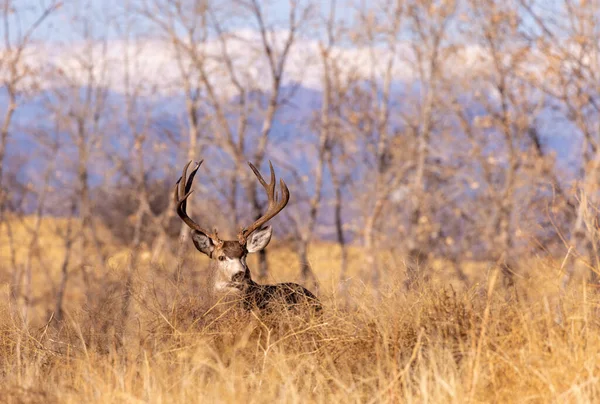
<point>446,341</point>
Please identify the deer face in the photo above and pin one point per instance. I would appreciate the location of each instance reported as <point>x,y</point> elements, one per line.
<point>228,258</point>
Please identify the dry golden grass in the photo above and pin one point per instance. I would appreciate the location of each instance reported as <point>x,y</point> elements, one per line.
<point>436,344</point>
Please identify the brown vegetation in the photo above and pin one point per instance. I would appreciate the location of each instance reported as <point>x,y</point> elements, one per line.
<point>443,162</point>
<point>440,342</point>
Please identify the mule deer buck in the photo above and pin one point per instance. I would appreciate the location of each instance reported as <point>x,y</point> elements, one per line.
<point>229,273</point>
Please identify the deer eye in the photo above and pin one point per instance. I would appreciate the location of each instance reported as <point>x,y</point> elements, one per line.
<point>221,258</point>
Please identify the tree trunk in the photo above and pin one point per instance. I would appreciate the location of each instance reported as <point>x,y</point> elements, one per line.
<point>4,134</point>
<point>58,311</point>
<point>339,224</point>
<point>371,252</point>
<point>306,271</point>
<point>579,238</point>
<point>418,253</point>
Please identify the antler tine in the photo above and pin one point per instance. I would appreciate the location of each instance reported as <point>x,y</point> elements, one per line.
<point>260,177</point>
<point>183,189</point>
<point>275,206</point>
<point>180,189</point>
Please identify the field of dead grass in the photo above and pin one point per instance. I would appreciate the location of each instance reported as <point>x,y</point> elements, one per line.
<point>443,342</point>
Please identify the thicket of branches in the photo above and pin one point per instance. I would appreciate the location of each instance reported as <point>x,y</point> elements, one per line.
<point>461,130</point>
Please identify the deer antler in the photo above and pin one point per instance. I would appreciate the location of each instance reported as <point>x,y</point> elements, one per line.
<point>274,206</point>
<point>183,189</point>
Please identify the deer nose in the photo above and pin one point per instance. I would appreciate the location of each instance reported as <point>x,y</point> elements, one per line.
<point>238,277</point>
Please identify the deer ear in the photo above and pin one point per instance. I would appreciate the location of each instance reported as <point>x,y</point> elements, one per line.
<point>203,243</point>
<point>259,239</point>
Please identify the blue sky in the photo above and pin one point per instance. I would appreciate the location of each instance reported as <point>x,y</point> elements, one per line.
<point>61,26</point>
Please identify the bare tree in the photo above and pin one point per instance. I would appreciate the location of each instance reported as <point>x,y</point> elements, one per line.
<point>569,52</point>
<point>305,220</point>
<point>510,109</point>
<point>17,79</point>
<point>333,141</point>
<point>79,105</point>
<point>369,119</point>
<point>137,116</point>
<point>185,26</point>
<point>15,71</point>
<point>430,22</point>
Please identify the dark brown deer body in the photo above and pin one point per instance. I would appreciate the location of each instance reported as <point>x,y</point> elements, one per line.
<point>229,274</point>
<point>267,297</point>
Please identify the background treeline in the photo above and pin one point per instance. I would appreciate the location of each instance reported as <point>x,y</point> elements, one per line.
<point>460,130</point>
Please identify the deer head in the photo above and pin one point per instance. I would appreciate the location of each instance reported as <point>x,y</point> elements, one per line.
<point>228,257</point>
